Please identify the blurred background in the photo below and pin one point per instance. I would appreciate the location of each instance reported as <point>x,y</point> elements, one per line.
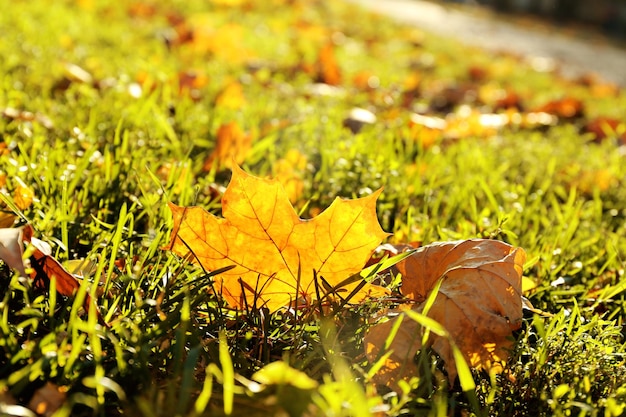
<point>609,16</point>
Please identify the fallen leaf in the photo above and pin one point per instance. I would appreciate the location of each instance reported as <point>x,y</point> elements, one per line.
<point>6,398</point>
<point>509,100</point>
<point>366,81</point>
<point>328,71</point>
<point>7,219</point>
<point>478,73</point>
<point>603,128</point>
<point>46,268</point>
<point>191,83</point>
<point>23,196</point>
<point>231,96</point>
<point>47,399</point>
<point>225,43</point>
<point>232,145</point>
<point>445,98</point>
<point>12,249</point>
<point>479,303</point>
<point>275,252</point>
<point>565,108</point>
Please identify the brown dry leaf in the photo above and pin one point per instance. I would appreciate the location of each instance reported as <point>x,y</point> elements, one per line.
<point>44,269</point>
<point>478,73</point>
<point>479,303</point>
<point>603,128</point>
<point>47,399</point>
<point>7,219</point>
<point>565,108</point>
<point>191,83</point>
<point>233,145</point>
<point>269,245</point>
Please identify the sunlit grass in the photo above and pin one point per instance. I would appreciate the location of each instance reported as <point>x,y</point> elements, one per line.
<point>126,139</point>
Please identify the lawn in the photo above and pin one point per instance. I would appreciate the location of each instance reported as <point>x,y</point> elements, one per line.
<point>110,112</point>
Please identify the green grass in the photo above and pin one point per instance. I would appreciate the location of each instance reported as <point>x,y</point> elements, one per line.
<point>103,173</point>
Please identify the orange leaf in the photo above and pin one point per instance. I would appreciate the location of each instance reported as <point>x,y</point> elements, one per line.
<point>266,241</point>
<point>232,145</point>
<point>365,80</point>
<point>328,71</point>
<point>46,268</point>
<point>479,303</point>
<point>566,108</point>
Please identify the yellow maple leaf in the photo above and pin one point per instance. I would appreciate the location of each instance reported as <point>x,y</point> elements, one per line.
<point>273,250</point>
<point>479,304</point>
